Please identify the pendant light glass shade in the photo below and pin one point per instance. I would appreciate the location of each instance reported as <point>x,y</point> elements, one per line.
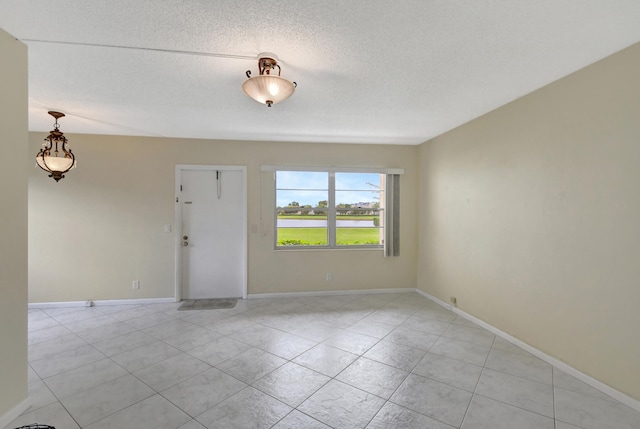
<point>55,157</point>
<point>55,163</point>
<point>268,88</point>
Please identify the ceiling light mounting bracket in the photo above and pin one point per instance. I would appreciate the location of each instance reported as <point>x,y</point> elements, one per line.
<point>265,65</point>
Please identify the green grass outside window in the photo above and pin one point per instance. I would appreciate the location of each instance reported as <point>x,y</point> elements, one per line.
<point>318,236</point>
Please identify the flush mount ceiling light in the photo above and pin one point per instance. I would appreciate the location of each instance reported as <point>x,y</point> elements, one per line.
<point>267,88</point>
<point>50,159</point>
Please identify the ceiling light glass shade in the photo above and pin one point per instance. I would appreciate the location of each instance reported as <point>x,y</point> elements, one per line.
<point>55,157</point>
<point>268,89</point>
<point>55,163</point>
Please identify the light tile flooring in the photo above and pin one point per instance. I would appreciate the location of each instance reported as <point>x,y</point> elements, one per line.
<point>356,361</point>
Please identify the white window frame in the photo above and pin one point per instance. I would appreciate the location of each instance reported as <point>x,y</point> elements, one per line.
<point>331,209</point>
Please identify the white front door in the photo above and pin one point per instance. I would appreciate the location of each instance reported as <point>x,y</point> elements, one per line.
<point>212,240</point>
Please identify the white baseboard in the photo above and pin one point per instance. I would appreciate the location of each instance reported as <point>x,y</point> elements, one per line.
<point>328,293</point>
<point>434,299</point>
<point>607,390</point>
<point>138,301</point>
<point>14,413</point>
<point>100,302</point>
<point>42,305</point>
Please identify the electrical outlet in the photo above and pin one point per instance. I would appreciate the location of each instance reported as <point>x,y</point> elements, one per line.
<point>327,277</point>
<point>135,284</point>
<point>454,301</point>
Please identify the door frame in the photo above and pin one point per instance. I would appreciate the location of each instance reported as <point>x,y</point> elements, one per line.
<point>178,221</point>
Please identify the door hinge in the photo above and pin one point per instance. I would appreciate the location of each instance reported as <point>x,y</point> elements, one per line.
<point>180,188</point>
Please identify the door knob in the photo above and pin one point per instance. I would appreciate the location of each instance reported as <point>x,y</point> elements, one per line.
<point>184,237</point>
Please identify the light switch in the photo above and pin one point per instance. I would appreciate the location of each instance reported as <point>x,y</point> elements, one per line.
<point>167,227</point>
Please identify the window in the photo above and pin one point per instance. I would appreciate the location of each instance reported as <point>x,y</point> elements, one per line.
<point>330,209</point>
<point>302,201</point>
<point>358,209</point>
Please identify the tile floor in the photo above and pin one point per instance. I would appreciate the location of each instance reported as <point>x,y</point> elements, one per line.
<point>356,361</point>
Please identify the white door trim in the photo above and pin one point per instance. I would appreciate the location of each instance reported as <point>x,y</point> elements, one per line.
<point>178,222</point>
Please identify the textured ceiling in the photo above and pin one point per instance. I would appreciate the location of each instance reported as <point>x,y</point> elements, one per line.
<point>368,71</point>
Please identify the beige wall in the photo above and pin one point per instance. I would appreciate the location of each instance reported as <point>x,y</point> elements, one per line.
<point>13,224</point>
<point>530,216</point>
<point>101,227</point>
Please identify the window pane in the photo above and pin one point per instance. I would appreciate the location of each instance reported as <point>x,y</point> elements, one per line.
<point>358,236</point>
<point>302,180</point>
<point>359,181</point>
<point>302,199</point>
<point>302,236</point>
<point>301,202</point>
<point>354,201</point>
<point>358,212</point>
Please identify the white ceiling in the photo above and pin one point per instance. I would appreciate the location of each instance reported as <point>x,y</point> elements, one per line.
<point>368,71</point>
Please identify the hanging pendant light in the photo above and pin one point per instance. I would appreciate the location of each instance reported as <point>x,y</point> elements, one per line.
<point>267,88</point>
<point>50,159</point>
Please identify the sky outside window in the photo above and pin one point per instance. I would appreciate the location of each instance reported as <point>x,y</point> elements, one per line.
<point>307,188</point>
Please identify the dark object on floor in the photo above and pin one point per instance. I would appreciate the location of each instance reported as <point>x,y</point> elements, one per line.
<point>36,426</point>
<point>207,304</point>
